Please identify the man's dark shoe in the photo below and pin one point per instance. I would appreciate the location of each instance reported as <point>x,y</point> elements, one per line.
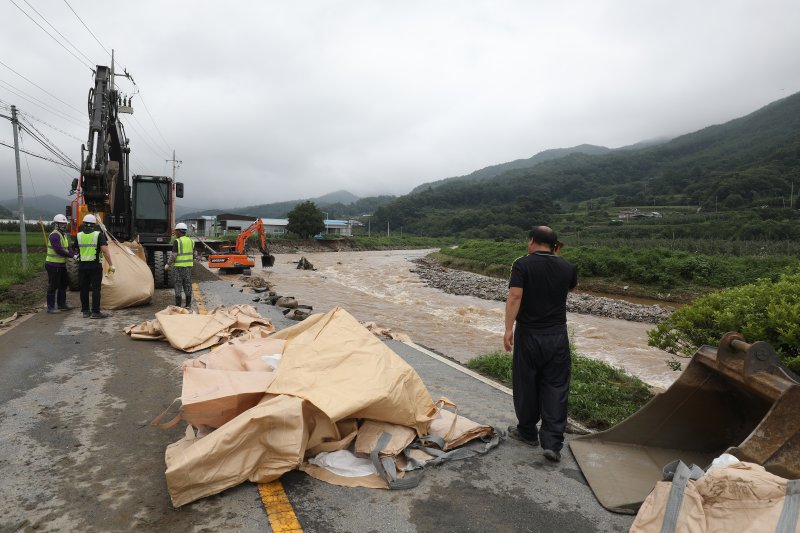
<point>552,455</point>
<point>99,315</point>
<point>86,314</point>
<point>514,433</point>
<point>52,310</point>
<point>65,307</point>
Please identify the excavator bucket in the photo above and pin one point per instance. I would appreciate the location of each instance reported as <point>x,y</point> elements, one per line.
<point>267,260</point>
<point>738,398</point>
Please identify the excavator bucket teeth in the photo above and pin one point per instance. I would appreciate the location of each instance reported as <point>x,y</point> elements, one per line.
<point>267,260</point>
<point>738,398</point>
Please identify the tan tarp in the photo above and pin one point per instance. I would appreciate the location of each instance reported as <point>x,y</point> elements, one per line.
<point>335,363</point>
<point>132,283</point>
<point>332,372</point>
<point>191,332</point>
<point>241,354</point>
<point>740,497</point>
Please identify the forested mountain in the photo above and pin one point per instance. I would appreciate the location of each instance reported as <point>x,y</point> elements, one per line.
<point>339,204</point>
<point>749,161</point>
<point>44,207</point>
<point>496,170</point>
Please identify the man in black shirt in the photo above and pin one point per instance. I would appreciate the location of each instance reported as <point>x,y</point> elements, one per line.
<point>542,367</point>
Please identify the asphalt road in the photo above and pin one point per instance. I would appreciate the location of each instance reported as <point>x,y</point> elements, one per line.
<point>77,454</point>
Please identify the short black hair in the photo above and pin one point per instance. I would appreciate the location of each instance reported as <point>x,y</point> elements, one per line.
<point>543,235</point>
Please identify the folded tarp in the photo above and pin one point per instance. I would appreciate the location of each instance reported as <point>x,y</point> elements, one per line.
<point>191,332</point>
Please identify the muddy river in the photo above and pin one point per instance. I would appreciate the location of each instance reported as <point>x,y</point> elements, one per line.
<point>380,287</point>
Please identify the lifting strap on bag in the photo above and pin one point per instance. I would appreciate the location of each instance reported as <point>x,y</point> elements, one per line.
<point>787,523</point>
<point>166,425</point>
<point>386,467</point>
<point>679,474</point>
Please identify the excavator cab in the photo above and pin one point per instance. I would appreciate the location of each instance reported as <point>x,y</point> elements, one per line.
<point>738,398</point>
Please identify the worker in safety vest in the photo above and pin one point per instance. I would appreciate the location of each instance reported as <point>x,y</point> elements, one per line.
<point>58,251</point>
<point>181,260</point>
<point>92,247</point>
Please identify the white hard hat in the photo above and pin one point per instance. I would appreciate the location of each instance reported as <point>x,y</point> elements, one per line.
<point>181,226</point>
<point>60,219</point>
<point>90,219</point>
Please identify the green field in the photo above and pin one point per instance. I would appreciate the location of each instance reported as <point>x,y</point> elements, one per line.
<point>646,271</point>
<point>12,238</point>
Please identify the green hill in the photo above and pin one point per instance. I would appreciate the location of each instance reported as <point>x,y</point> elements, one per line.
<point>749,162</point>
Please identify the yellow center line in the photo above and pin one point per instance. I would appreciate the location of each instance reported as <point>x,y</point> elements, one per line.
<point>199,299</point>
<point>279,510</point>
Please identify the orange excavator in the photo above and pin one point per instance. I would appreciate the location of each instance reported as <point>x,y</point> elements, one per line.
<point>235,259</point>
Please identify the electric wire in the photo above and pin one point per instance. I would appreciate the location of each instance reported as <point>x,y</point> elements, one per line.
<point>58,32</point>
<point>87,28</point>
<point>152,119</point>
<point>40,121</point>
<point>82,62</point>
<point>30,177</point>
<point>155,143</point>
<point>143,138</point>
<point>40,104</point>
<point>35,155</point>
<point>50,148</point>
<point>51,143</point>
<point>42,89</point>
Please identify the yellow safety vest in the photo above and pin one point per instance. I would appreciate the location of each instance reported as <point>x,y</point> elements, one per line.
<point>87,242</point>
<point>52,256</point>
<point>185,256</point>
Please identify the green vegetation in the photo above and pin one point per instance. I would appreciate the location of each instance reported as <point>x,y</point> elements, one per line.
<point>12,239</point>
<point>398,243</point>
<point>600,395</point>
<point>11,271</point>
<point>762,311</point>
<point>649,269</point>
<point>306,220</point>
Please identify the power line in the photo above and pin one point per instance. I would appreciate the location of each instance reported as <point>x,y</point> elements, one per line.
<point>51,36</point>
<point>29,116</point>
<point>36,155</point>
<point>42,89</point>
<point>155,143</point>
<point>154,120</point>
<point>87,28</point>
<point>58,32</point>
<point>33,100</point>
<point>30,178</point>
<point>51,143</point>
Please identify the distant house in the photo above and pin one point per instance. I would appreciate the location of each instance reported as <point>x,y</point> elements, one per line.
<point>277,226</point>
<point>203,226</point>
<point>233,223</point>
<point>635,213</point>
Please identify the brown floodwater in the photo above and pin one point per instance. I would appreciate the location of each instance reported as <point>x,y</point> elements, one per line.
<point>379,286</point>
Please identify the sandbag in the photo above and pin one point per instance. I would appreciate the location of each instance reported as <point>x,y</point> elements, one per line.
<point>132,282</point>
<point>739,497</point>
<point>259,354</point>
<point>136,248</point>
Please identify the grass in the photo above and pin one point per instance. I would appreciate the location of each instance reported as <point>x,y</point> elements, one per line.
<point>600,394</point>
<point>11,272</point>
<point>12,238</point>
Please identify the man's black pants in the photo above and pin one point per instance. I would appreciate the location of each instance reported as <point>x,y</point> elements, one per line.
<point>56,285</point>
<point>90,279</point>
<point>542,368</point>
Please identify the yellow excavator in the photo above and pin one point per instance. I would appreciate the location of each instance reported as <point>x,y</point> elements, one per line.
<point>737,398</point>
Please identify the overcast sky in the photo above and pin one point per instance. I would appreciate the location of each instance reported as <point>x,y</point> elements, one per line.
<point>267,101</point>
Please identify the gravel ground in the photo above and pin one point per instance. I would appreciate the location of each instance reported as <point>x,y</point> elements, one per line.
<point>471,284</point>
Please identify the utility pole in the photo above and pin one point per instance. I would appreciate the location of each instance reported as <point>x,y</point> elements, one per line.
<point>387,228</point>
<point>175,165</point>
<point>20,203</point>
